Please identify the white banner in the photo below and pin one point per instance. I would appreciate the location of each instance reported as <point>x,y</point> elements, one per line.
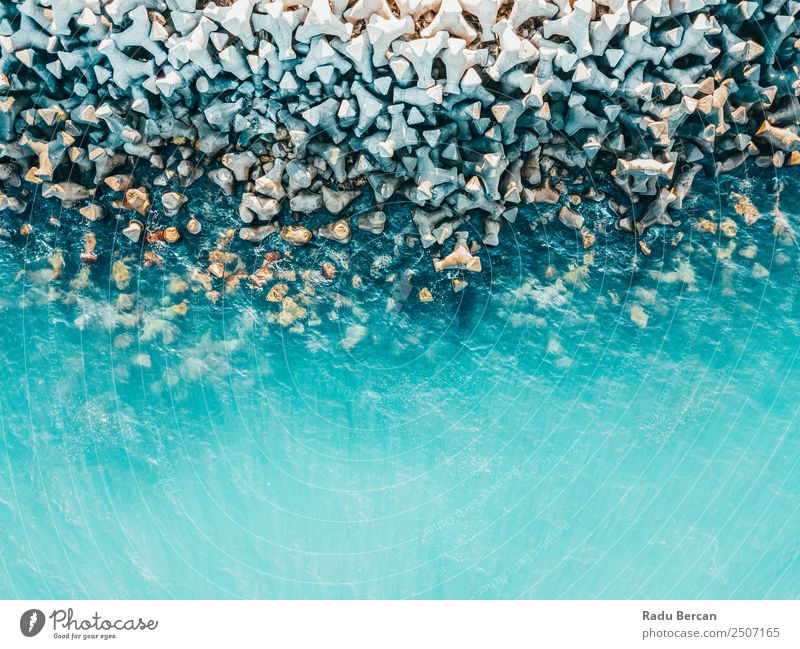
<point>406,624</point>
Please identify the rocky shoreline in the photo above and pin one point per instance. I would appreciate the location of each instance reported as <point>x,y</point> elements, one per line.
<point>467,109</point>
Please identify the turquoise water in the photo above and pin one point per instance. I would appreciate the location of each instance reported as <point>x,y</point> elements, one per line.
<point>617,426</point>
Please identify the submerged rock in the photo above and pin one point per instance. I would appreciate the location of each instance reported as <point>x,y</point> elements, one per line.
<point>121,275</point>
<point>638,315</point>
<point>290,312</point>
<point>570,218</point>
<point>354,334</point>
<point>277,293</point>
<point>744,207</point>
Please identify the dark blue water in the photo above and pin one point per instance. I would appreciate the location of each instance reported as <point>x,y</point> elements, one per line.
<point>577,423</point>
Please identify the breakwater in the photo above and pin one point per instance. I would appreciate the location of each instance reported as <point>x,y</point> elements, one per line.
<point>466,110</point>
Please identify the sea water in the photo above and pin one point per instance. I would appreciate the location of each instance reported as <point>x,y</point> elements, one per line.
<point>577,423</point>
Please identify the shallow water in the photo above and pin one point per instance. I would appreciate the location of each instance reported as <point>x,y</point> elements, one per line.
<point>616,426</point>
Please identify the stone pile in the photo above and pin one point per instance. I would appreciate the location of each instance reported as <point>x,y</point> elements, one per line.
<point>464,108</point>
